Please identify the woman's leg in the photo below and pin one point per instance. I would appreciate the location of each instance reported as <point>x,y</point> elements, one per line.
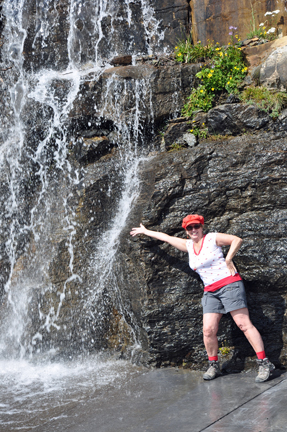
<point>210,328</point>
<point>241,318</point>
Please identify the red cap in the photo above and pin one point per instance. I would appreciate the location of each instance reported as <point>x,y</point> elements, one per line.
<point>192,219</point>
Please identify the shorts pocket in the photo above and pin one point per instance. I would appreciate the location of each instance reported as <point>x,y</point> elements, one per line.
<point>234,294</point>
<point>233,287</point>
<point>204,299</point>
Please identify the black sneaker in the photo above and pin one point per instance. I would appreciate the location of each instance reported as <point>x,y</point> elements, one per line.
<point>213,371</point>
<point>265,367</point>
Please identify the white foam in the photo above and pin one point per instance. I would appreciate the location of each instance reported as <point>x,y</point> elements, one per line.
<point>30,392</point>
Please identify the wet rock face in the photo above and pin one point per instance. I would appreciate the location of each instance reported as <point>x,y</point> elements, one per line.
<point>159,91</point>
<point>2,20</point>
<point>90,150</point>
<point>85,32</point>
<point>239,186</point>
<point>47,32</point>
<point>174,17</point>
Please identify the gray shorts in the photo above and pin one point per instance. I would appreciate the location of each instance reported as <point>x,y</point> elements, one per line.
<point>226,299</point>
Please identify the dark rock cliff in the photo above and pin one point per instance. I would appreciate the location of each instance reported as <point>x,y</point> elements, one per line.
<point>239,185</point>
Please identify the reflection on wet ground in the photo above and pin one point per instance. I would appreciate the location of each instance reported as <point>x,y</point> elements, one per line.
<point>32,394</point>
<point>118,397</point>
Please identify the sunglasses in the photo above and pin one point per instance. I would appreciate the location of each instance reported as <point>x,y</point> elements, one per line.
<point>195,226</point>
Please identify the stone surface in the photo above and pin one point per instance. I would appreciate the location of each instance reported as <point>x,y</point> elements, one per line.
<point>162,91</point>
<point>2,21</point>
<point>72,33</point>
<point>177,133</point>
<point>121,61</point>
<point>174,18</point>
<point>211,19</point>
<point>256,55</point>
<point>90,150</point>
<point>273,72</point>
<point>187,139</point>
<point>234,119</point>
<point>239,186</point>
<point>148,305</point>
<point>171,399</point>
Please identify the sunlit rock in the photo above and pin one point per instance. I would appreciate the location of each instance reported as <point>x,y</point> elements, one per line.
<point>211,20</point>
<point>273,71</point>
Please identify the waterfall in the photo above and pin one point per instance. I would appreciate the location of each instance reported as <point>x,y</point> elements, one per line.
<point>61,212</point>
<point>39,207</point>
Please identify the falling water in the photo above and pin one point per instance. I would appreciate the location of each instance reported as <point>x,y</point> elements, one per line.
<point>42,186</point>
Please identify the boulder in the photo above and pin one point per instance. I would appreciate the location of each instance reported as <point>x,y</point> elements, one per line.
<point>187,139</point>
<point>178,133</point>
<point>150,297</point>
<point>90,150</point>
<point>256,55</point>
<point>273,72</point>
<point>235,119</point>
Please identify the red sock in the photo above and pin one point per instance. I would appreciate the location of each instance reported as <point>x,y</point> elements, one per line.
<point>214,358</point>
<point>261,355</point>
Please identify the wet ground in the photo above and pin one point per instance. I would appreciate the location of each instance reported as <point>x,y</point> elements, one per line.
<point>169,400</point>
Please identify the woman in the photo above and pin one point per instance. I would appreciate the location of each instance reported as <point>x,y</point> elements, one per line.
<point>223,288</point>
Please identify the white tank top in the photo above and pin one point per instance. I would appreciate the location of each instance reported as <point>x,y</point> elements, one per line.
<point>209,263</point>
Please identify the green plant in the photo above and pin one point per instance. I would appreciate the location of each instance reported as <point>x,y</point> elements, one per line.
<point>266,29</point>
<point>199,99</point>
<point>186,52</point>
<point>225,349</point>
<point>259,32</point>
<point>225,71</point>
<point>200,133</point>
<point>175,147</point>
<point>253,30</point>
<point>268,101</point>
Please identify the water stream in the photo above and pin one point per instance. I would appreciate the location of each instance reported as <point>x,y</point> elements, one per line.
<point>41,193</point>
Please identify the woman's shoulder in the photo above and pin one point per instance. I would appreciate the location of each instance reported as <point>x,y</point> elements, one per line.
<point>210,236</point>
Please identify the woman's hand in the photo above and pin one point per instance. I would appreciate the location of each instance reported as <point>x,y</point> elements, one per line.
<point>231,267</point>
<point>177,242</point>
<point>136,231</point>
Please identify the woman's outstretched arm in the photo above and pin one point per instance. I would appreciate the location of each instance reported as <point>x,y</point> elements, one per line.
<point>178,243</point>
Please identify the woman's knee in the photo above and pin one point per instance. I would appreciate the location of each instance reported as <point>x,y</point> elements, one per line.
<point>210,330</point>
<point>242,319</point>
<point>244,325</point>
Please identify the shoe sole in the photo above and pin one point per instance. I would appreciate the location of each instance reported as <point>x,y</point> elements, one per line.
<point>261,380</point>
<point>206,378</point>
